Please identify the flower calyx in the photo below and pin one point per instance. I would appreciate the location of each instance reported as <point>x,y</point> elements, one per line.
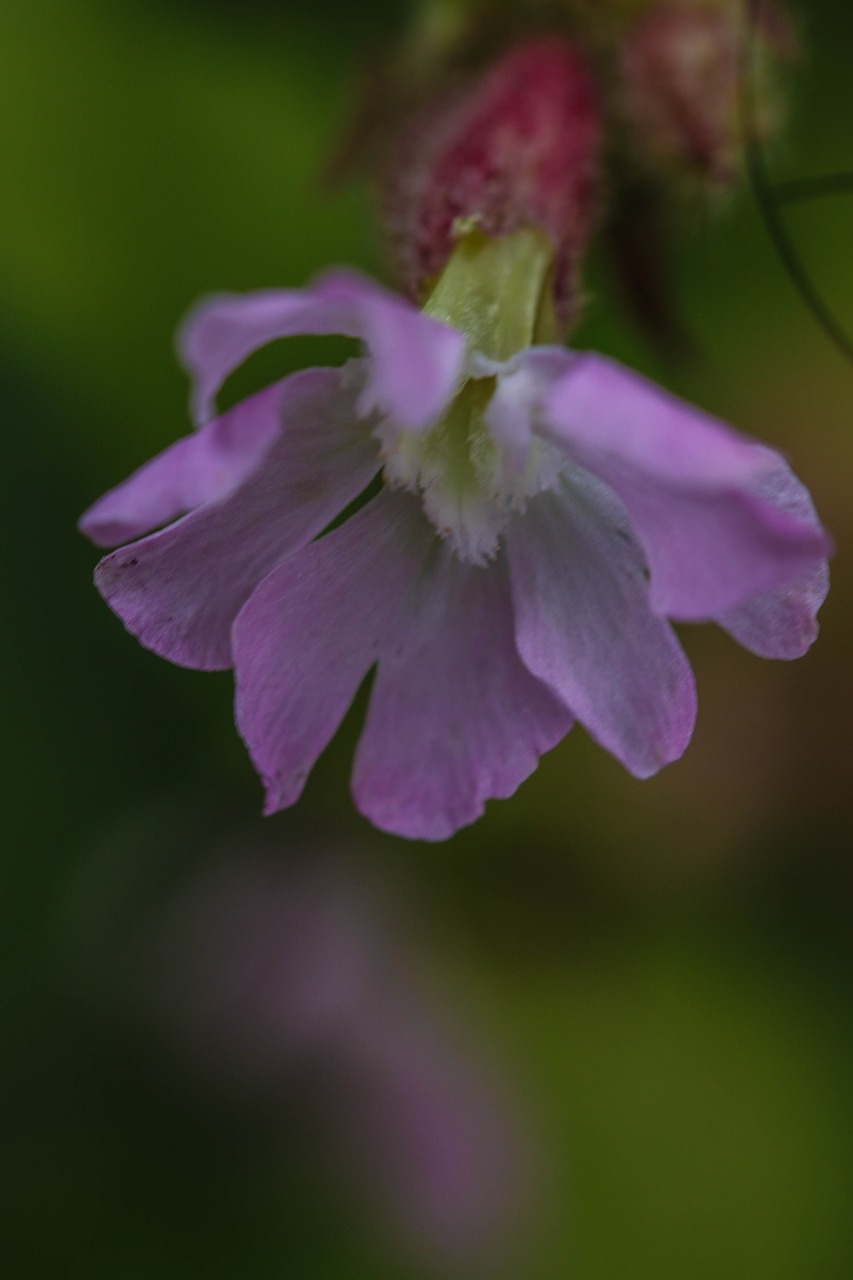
<point>515,146</point>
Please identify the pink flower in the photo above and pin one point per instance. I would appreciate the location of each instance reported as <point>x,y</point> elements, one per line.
<point>544,516</point>
<point>278,979</point>
<point>680,73</point>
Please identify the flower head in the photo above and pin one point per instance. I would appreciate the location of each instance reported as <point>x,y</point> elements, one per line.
<point>680,68</point>
<point>544,516</point>
<point>297,981</point>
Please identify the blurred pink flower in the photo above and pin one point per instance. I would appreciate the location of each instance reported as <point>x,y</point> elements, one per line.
<point>285,987</point>
<point>545,516</point>
<point>680,69</point>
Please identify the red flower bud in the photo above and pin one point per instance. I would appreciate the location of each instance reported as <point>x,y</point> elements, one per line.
<point>519,147</point>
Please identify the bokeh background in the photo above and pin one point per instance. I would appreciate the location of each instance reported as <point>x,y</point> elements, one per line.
<point>607,1031</point>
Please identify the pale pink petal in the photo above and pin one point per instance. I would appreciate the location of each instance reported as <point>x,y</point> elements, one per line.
<point>313,629</point>
<point>200,468</point>
<point>782,623</point>
<point>416,361</point>
<point>523,385</point>
<point>454,717</point>
<point>585,628</point>
<point>692,489</point>
<point>180,589</point>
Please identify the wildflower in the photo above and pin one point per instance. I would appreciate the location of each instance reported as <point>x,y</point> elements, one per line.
<point>272,980</point>
<point>543,516</point>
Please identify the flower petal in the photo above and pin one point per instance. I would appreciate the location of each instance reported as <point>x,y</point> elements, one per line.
<point>416,365</point>
<point>782,623</point>
<point>585,628</point>
<point>523,384</point>
<point>692,489</point>
<point>180,589</point>
<point>313,629</point>
<point>455,718</point>
<point>202,467</point>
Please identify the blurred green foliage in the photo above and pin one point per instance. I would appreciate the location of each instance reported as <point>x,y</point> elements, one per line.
<point>665,967</point>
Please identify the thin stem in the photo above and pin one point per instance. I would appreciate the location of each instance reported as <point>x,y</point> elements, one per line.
<point>766,199</point>
<point>798,189</point>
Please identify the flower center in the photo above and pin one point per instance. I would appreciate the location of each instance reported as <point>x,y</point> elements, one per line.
<point>498,293</point>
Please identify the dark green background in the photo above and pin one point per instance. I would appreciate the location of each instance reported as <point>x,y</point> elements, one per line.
<point>661,969</point>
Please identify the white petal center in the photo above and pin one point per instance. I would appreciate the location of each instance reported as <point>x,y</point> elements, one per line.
<point>469,484</point>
